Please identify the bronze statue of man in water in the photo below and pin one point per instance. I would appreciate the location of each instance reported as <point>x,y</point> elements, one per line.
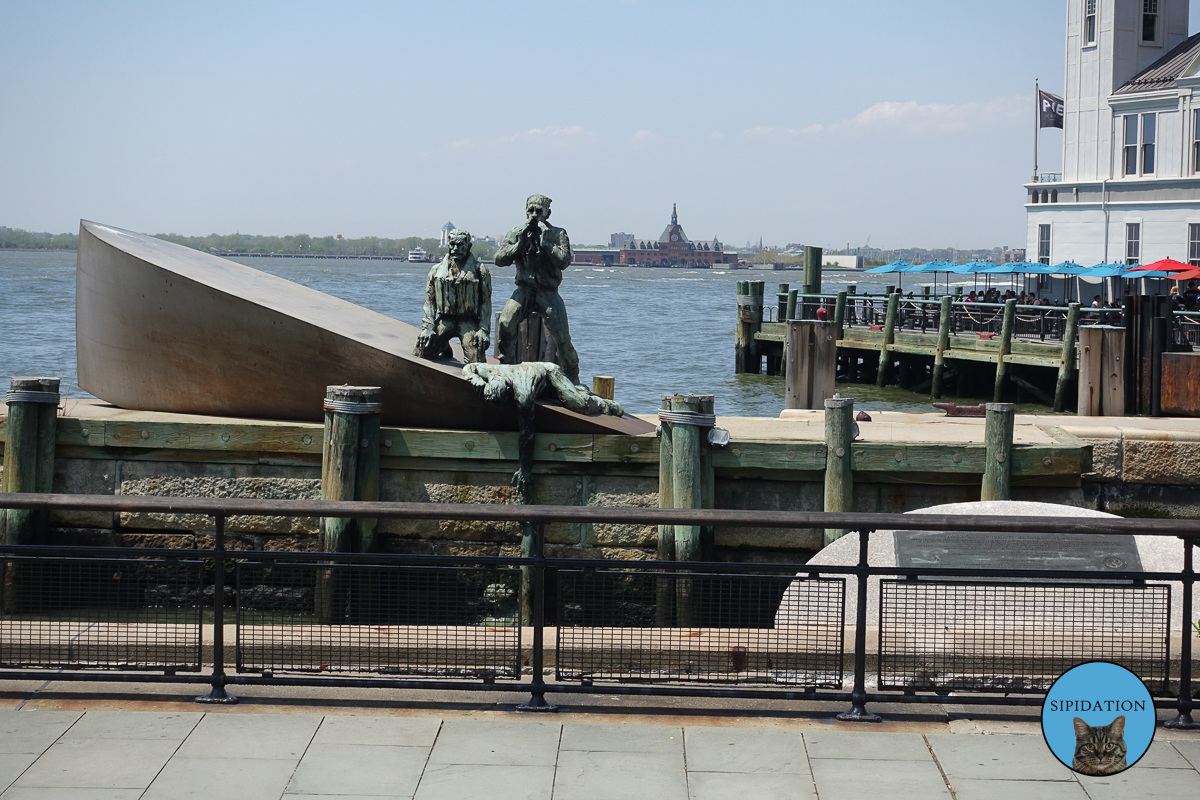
<point>540,253</point>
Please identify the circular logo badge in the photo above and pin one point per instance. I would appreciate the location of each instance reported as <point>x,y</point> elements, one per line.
<point>1098,718</point>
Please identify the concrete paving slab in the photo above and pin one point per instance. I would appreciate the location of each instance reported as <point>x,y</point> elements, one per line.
<point>224,778</point>
<point>100,764</point>
<point>335,797</point>
<point>12,765</point>
<point>72,794</point>
<point>517,743</point>
<point>969,789</point>
<point>1190,751</point>
<point>136,725</point>
<point>493,781</point>
<point>866,746</point>
<point>33,731</point>
<point>256,736</point>
<point>359,769</point>
<point>396,731</point>
<point>1012,758</point>
<point>760,785</point>
<point>741,750</point>
<point>850,779</point>
<point>620,776</point>
<point>1167,784</point>
<point>664,739</point>
<point>1162,755</point>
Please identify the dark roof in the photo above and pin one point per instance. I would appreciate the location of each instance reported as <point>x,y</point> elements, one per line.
<point>1163,73</point>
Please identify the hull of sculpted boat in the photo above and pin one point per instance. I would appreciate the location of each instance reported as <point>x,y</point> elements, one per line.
<point>162,327</point>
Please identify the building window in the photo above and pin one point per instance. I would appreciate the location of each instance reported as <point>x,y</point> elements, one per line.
<point>1196,141</point>
<point>1054,195</point>
<point>1045,196</point>
<point>1194,244</point>
<point>1150,21</point>
<point>1089,22</point>
<point>1035,196</point>
<point>1044,244</point>
<point>1142,145</point>
<point>1131,141</point>
<point>1148,135</point>
<point>1133,242</point>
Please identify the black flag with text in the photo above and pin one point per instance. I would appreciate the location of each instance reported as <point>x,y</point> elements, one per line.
<point>1050,110</point>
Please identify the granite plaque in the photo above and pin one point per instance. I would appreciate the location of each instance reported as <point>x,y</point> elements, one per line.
<point>978,550</point>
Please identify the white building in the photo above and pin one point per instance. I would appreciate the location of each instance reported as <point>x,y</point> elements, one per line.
<point>447,229</point>
<point>1130,185</point>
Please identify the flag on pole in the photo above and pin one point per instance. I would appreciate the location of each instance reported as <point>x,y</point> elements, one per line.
<point>1050,110</point>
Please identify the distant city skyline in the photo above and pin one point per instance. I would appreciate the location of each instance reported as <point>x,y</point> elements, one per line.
<point>827,123</point>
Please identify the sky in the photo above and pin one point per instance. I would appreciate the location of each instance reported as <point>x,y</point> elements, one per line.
<point>908,124</point>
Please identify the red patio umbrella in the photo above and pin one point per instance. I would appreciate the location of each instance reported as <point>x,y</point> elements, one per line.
<point>1166,265</point>
<point>1193,274</point>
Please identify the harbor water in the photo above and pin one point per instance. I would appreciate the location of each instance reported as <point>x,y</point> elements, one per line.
<point>655,330</point>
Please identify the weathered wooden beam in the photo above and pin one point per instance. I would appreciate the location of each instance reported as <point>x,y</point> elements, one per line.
<point>1115,373</point>
<point>839,315</point>
<point>839,476</point>
<point>1045,398</point>
<point>604,386</point>
<point>812,269</point>
<point>781,301</point>
<point>998,438</point>
<point>665,586</point>
<point>350,463</point>
<point>1006,333</point>
<point>793,298</point>
<point>1066,364</point>
<point>943,344</point>
<point>889,336</point>
<point>29,452</point>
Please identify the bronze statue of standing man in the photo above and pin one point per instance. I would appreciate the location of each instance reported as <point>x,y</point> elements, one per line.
<point>540,253</point>
<point>458,302</point>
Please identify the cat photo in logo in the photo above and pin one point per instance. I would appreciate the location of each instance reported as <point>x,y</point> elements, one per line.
<point>1098,718</point>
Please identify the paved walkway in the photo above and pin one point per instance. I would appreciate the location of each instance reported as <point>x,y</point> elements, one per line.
<point>123,755</point>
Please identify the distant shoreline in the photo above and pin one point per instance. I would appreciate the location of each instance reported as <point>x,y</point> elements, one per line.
<point>39,250</point>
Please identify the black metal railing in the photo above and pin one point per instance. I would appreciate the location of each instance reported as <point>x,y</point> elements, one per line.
<point>706,629</point>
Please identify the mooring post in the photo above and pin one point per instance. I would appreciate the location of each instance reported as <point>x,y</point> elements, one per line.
<point>350,463</point>
<point>839,314</point>
<point>754,351</point>
<point>708,482</point>
<point>998,442</point>
<point>812,269</point>
<point>29,454</point>
<point>218,694</point>
<point>604,386</point>
<point>1066,363</point>
<point>889,337</point>
<point>750,313</point>
<point>689,423</point>
<point>943,344</point>
<point>1006,332</point>
<point>839,479</point>
<point>781,301</point>
<point>665,586</point>
<point>793,297</point>
<point>739,331</point>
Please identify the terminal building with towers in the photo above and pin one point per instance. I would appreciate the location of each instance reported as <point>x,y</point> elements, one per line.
<point>1129,191</point>
<point>672,249</point>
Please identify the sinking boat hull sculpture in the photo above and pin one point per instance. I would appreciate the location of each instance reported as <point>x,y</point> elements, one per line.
<point>162,327</point>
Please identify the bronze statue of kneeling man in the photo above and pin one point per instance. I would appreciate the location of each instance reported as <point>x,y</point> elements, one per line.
<point>458,302</point>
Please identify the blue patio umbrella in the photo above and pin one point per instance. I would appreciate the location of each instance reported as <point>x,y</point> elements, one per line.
<point>899,265</point>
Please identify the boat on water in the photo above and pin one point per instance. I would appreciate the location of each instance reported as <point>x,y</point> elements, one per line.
<point>163,327</point>
<point>419,256</point>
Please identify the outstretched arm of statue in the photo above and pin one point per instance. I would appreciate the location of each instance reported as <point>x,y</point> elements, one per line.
<point>509,249</point>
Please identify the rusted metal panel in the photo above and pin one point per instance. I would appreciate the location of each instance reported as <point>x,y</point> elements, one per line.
<point>1181,384</point>
<point>161,327</point>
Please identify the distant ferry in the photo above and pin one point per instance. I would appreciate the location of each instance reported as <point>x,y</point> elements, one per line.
<point>419,256</point>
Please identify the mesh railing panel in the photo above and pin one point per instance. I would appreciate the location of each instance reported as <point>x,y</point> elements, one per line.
<point>1017,636</point>
<point>687,627</point>
<point>390,620</point>
<point>101,614</point>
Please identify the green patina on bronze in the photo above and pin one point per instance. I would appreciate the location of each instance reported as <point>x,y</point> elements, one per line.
<point>458,303</point>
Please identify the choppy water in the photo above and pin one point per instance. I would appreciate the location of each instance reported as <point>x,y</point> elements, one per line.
<point>658,331</point>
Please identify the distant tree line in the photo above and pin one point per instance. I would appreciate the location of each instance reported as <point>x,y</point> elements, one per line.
<point>17,239</point>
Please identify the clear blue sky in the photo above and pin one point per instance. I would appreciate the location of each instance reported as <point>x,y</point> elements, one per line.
<point>811,122</point>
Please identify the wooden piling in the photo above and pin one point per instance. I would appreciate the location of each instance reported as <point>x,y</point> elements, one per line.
<point>29,454</point>
<point>839,315</point>
<point>1115,372</point>
<point>945,311</point>
<point>889,338</point>
<point>685,424</point>
<point>1066,366</point>
<point>812,269</point>
<point>665,586</point>
<point>350,463</point>
<point>811,353</point>
<point>998,442</point>
<point>791,304</point>
<point>1091,380</point>
<point>839,477</point>
<point>750,312</point>
<point>604,386</point>
<point>1006,332</point>
<point>781,301</point>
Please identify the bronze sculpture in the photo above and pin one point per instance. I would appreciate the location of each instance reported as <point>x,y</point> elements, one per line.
<point>458,302</point>
<point>540,253</point>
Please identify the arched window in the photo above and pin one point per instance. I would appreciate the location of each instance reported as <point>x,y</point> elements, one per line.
<point>1045,196</point>
<point>1054,195</point>
<point>1035,195</point>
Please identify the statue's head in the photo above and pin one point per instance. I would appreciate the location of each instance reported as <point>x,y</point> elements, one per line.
<point>537,207</point>
<point>459,245</point>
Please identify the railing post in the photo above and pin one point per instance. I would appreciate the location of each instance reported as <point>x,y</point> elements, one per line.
<point>1006,332</point>
<point>29,454</point>
<point>839,478</point>
<point>858,695</point>
<point>998,441</point>
<point>943,344</point>
<point>1066,364</point>
<point>218,693</point>
<point>1186,704</point>
<point>889,336</point>
<point>537,688</point>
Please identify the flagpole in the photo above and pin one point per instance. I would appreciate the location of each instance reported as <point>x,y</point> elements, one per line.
<point>1037,124</point>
